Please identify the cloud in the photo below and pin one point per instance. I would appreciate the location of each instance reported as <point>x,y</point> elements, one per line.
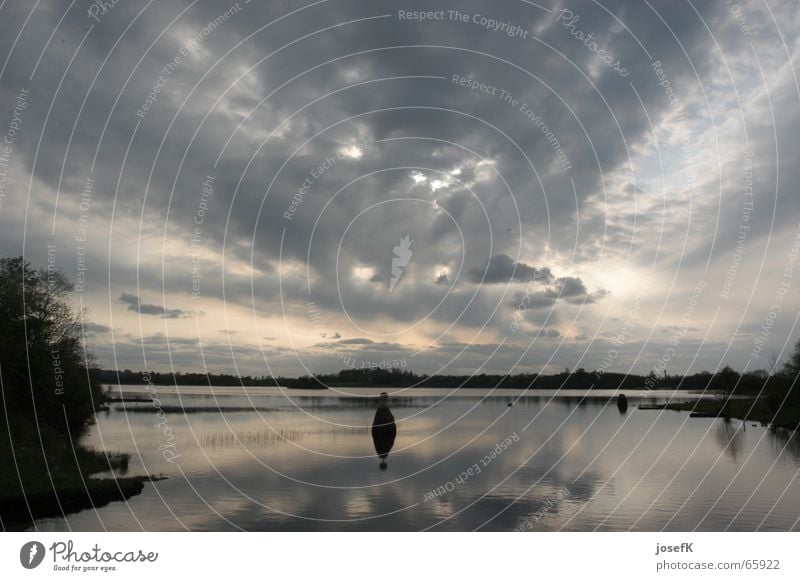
<point>533,300</point>
<point>567,287</point>
<point>135,305</point>
<point>490,204</point>
<point>502,269</point>
<point>95,329</point>
<point>357,341</point>
<point>574,291</point>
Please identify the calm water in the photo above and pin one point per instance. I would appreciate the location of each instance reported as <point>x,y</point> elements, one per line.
<point>306,460</point>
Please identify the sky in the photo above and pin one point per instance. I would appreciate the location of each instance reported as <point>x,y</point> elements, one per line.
<point>285,188</point>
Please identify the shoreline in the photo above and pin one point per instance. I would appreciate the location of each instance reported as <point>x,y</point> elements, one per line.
<point>35,486</point>
<point>63,500</point>
<point>753,409</point>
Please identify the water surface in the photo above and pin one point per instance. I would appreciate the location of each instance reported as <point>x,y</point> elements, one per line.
<point>306,460</point>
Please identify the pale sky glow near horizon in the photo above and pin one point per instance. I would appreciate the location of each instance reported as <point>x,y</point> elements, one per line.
<point>514,187</point>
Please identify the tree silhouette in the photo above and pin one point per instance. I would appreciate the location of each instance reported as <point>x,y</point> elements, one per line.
<point>43,363</point>
<point>792,366</point>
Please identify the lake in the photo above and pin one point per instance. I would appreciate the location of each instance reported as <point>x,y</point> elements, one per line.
<point>277,459</point>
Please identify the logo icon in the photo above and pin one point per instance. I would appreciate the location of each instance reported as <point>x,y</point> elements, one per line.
<point>402,256</point>
<point>31,554</point>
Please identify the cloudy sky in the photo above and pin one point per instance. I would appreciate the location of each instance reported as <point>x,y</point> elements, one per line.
<point>291,187</point>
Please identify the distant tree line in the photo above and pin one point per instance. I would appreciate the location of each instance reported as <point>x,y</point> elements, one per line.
<point>725,381</point>
<point>48,377</point>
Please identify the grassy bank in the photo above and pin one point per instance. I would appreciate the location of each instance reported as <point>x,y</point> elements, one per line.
<point>36,484</point>
<point>762,410</point>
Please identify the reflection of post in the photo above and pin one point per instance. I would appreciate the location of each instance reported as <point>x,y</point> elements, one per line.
<point>384,430</point>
